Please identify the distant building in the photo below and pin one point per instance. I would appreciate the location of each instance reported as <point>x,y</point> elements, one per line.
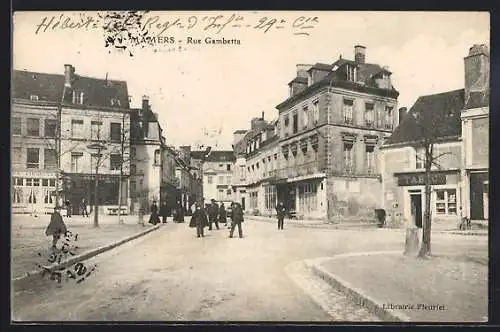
<point>217,175</point>
<point>94,113</point>
<point>189,179</point>
<point>330,129</point>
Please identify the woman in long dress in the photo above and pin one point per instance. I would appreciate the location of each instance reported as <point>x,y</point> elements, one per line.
<point>56,227</point>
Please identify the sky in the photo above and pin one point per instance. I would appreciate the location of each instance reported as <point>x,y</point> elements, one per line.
<point>203,93</point>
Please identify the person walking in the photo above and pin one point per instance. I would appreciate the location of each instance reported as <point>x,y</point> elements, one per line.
<point>280,212</point>
<point>83,207</point>
<point>68,208</point>
<point>56,227</point>
<point>212,215</point>
<point>164,212</point>
<point>153,218</point>
<point>199,220</point>
<point>222,214</point>
<point>236,219</point>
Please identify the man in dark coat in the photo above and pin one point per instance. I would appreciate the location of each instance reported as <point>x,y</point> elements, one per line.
<point>83,207</point>
<point>212,215</point>
<point>68,208</point>
<point>222,214</point>
<point>179,212</point>
<point>164,212</point>
<point>56,227</point>
<point>199,220</point>
<point>280,212</point>
<point>236,219</point>
<point>154,219</point>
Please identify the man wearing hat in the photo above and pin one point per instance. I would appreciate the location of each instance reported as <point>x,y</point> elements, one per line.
<point>56,226</point>
<point>213,212</point>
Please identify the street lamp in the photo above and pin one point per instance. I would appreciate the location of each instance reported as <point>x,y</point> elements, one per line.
<point>99,147</point>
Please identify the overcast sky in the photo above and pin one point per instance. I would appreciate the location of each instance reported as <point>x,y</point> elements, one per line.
<point>206,88</point>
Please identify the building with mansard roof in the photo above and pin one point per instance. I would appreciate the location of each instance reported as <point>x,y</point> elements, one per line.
<point>95,120</point>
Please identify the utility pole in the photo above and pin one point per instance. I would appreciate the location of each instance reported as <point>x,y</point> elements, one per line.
<point>58,142</point>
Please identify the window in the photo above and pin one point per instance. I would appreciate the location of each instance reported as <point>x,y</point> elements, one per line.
<point>78,97</point>
<point>29,182</point>
<point>50,128</point>
<point>16,126</point>
<point>157,157</point>
<point>308,201</point>
<point>370,158</point>
<point>34,97</point>
<point>48,197</point>
<point>32,157</point>
<point>50,159</point>
<point>36,182</point>
<point>446,202</point>
<point>420,158</point>
<point>76,158</point>
<point>133,186</point>
<point>17,157</point>
<point>221,165</point>
<point>388,117</point>
<point>287,120</point>
<point>32,197</point>
<point>228,167</point>
<point>132,152</point>
<point>95,130</point>
<point>270,197</point>
<point>114,162</point>
<point>295,122</point>
<point>77,128</point>
<point>242,172</point>
<point>33,126</point>
<point>18,181</point>
<point>133,169</point>
<point>220,195</point>
<point>17,196</point>
<point>369,114</point>
<point>115,133</point>
<point>115,102</point>
<point>348,105</point>
<point>348,155</point>
<point>316,111</point>
<point>305,117</point>
<point>52,182</point>
<point>45,182</point>
<point>210,179</point>
<point>228,179</point>
<point>220,180</point>
<point>351,73</point>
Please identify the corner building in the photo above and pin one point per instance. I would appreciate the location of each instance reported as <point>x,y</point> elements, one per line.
<point>330,129</point>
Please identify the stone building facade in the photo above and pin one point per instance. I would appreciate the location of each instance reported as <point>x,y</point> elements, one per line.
<point>330,130</point>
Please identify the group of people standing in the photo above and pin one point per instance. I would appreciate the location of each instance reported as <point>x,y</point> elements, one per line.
<point>163,212</point>
<point>214,213</point>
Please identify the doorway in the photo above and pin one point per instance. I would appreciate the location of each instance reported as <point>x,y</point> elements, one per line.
<point>416,209</point>
<point>479,196</point>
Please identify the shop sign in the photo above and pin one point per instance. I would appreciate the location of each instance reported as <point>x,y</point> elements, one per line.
<point>419,179</point>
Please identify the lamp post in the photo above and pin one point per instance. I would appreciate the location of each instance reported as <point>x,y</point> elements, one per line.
<point>99,147</point>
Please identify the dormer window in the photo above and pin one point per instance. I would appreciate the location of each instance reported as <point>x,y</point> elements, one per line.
<point>351,73</point>
<point>115,102</point>
<point>34,97</point>
<point>78,97</point>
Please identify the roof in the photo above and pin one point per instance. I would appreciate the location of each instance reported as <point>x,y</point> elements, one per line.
<point>49,88</point>
<point>220,155</point>
<point>240,131</point>
<point>443,108</point>
<point>298,79</point>
<point>321,66</point>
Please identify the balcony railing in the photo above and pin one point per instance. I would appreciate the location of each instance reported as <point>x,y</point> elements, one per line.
<point>298,170</point>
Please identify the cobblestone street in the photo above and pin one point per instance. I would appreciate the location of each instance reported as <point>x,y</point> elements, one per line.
<point>170,275</point>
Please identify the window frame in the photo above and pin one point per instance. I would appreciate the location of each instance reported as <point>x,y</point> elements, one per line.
<point>31,134</point>
<point>30,164</point>
<point>14,132</point>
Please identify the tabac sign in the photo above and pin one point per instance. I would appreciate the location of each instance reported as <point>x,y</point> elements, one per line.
<point>419,179</point>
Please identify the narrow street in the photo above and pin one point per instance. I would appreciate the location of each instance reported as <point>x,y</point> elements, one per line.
<point>170,275</point>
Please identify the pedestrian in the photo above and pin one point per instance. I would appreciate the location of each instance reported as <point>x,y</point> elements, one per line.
<point>56,227</point>
<point>193,208</point>
<point>280,212</point>
<point>236,219</point>
<point>153,218</point>
<point>179,212</point>
<point>212,215</point>
<point>199,220</point>
<point>222,214</point>
<point>164,212</point>
<point>83,207</point>
<point>68,208</point>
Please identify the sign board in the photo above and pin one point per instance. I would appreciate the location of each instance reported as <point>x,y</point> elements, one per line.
<point>419,179</point>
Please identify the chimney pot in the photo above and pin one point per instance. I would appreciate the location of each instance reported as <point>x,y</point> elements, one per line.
<point>262,115</point>
<point>69,72</point>
<point>359,54</point>
<point>145,103</point>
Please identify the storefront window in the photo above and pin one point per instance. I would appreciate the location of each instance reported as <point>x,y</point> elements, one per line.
<point>446,202</point>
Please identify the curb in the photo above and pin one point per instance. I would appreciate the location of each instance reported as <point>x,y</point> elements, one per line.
<point>356,294</point>
<point>78,258</point>
<point>321,224</point>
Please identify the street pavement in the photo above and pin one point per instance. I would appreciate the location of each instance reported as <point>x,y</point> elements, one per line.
<point>170,275</point>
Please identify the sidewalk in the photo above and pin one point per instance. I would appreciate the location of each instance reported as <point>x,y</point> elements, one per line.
<point>400,288</point>
<point>30,246</point>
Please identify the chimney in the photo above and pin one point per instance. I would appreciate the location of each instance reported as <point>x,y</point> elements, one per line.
<point>402,114</point>
<point>262,115</point>
<point>477,71</point>
<point>302,70</point>
<point>359,54</point>
<point>145,103</point>
<point>69,73</point>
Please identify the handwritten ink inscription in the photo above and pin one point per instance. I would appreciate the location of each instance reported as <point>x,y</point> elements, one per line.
<point>78,271</point>
<point>140,24</point>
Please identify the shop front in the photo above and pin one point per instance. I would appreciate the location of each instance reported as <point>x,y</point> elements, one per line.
<point>444,202</point>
